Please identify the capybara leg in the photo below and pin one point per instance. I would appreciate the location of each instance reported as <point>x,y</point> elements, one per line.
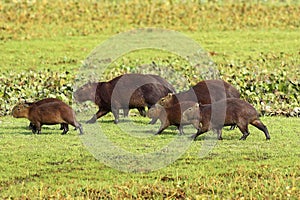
<point>99,114</point>
<point>65,129</point>
<point>34,129</point>
<point>31,126</point>
<point>80,129</point>
<point>38,128</point>
<point>162,127</point>
<point>232,127</point>
<point>78,126</point>
<point>61,127</point>
<point>199,132</point>
<point>180,128</point>
<point>115,112</point>
<point>125,112</point>
<point>219,134</point>
<point>245,132</point>
<point>258,124</point>
<point>153,120</point>
<point>92,120</point>
<point>142,112</point>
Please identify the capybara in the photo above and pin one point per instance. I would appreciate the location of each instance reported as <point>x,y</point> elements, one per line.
<point>47,114</point>
<point>43,101</point>
<point>226,112</point>
<point>127,91</point>
<point>204,92</point>
<point>170,116</point>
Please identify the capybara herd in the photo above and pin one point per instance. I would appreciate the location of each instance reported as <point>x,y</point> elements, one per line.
<point>208,105</point>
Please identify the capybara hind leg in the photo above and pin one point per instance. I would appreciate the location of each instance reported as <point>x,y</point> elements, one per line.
<point>99,114</point>
<point>78,126</point>
<point>258,124</point>
<point>61,127</point>
<point>245,132</point>
<point>92,120</point>
<point>199,132</point>
<point>65,129</point>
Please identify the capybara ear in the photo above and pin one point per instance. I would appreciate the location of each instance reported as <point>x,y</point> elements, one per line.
<point>170,94</point>
<point>197,105</point>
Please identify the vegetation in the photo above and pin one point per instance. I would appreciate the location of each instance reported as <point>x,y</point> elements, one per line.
<point>254,45</point>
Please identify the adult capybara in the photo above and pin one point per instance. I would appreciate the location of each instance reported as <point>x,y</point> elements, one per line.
<point>40,102</point>
<point>170,116</point>
<point>47,114</point>
<point>226,112</point>
<point>204,92</point>
<point>125,92</point>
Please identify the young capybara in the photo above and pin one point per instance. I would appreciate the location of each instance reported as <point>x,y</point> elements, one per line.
<point>47,114</point>
<point>225,112</point>
<point>170,116</point>
<point>40,102</point>
<point>125,92</point>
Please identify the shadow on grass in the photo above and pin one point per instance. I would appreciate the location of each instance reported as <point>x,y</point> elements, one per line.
<point>24,130</point>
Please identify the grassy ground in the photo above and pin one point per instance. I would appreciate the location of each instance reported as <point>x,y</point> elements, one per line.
<point>38,36</point>
<point>55,166</point>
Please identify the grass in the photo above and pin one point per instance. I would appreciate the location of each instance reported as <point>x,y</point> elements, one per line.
<point>55,166</point>
<point>51,165</point>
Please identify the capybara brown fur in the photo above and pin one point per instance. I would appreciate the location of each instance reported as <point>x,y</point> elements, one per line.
<point>47,114</point>
<point>125,92</point>
<point>226,112</point>
<point>204,92</point>
<point>43,101</point>
<point>170,116</point>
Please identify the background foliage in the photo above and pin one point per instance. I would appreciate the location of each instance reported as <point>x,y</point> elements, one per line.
<point>268,80</point>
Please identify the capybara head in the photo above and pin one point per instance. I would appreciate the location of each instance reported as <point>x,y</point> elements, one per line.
<point>166,101</point>
<point>21,110</point>
<point>192,113</point>
<point>86,92</point>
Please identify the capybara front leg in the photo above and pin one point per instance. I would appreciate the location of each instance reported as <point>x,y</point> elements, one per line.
<point>162,127</point>
<point>38,127</point>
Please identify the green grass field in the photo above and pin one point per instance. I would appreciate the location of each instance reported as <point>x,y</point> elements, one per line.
<point>54,166</point>
<point>259,37</point>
